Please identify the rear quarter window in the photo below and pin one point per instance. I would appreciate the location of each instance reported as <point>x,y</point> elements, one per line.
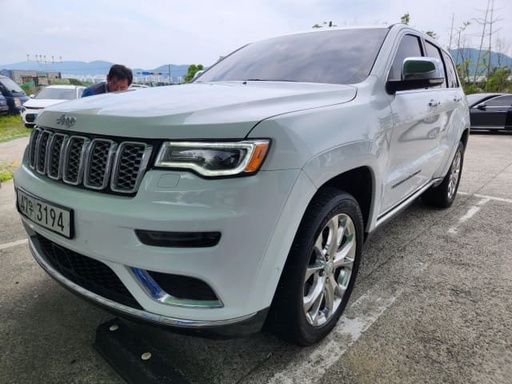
<point>451,72</point>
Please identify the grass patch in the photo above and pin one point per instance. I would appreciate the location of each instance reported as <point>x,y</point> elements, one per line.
<point>6,170</point>
<point>12,127</point>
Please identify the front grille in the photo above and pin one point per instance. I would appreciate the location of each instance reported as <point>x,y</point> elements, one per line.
<point>100,164</point>
<point>88,273</point>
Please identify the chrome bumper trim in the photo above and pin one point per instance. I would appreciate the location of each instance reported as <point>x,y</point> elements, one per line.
<point>152,289</point>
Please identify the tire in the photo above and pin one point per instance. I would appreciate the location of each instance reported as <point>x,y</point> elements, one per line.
<point>318,279</point>
<point>443,195</point>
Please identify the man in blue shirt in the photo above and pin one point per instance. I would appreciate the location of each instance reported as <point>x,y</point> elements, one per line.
<point>119,78</point>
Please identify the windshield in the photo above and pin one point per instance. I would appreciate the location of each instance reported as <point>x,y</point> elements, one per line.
<point>333,56</point>
<point>11,85</point>
<point>56,93</point>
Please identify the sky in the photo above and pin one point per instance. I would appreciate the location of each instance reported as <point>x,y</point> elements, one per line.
<point>147,34</point>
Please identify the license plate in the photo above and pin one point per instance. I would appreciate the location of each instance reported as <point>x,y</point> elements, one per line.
<point>54,217</point>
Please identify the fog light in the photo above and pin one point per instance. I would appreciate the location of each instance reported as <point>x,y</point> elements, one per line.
<point>178,239</point>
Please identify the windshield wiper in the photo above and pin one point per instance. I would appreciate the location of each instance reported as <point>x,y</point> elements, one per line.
<point>282,80</point>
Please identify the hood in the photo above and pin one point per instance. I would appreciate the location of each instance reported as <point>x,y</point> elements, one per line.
<point>42,103</point>
<point>198,110</point>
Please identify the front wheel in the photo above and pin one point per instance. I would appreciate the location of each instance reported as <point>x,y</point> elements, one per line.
<point>443,195</point>
<point>321,269</point>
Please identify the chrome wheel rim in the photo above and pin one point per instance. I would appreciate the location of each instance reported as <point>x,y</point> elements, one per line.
<point>454,174</point>
<point>330,269</point>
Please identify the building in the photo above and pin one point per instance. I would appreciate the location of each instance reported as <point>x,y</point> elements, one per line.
<point>31,78</point>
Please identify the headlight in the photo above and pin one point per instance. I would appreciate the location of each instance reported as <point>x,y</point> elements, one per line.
<point>17,102</point>
<point>214,159</point>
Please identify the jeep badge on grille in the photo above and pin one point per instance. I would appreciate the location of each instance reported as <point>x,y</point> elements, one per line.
<point>68,121</point>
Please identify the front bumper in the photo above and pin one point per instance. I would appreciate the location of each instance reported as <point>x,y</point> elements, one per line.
<point>239,269</point>
<point>29,115</point>
<point>213,329</point>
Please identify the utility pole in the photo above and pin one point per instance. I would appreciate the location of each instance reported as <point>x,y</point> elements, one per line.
<point>451,32</point>
<point>170,78</point>
<point>45,65</point>
<point>489,65</point>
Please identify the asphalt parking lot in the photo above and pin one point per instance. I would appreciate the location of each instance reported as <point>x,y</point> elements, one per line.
<point>432,304</point>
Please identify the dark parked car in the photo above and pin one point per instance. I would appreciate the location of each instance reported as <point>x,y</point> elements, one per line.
<point>14,95</point>
<point>4,108</point>
<point>489,111</point>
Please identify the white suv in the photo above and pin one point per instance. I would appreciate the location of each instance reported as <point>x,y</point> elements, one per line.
<point>47,96</point>
<point>245,197</point>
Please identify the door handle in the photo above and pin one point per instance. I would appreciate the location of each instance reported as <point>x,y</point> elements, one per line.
<point>434,103</point>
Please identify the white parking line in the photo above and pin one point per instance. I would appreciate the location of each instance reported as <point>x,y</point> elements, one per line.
<point>13,244</point>
<point>502,199</point>
<point>484,199</point>
<point>309,366</point>
<point>469,214</point>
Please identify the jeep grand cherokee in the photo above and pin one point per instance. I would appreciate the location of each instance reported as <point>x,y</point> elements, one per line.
<point>244,197</point>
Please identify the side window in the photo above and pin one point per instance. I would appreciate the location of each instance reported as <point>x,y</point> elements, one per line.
<point>410,46</point>
<point>451,72</point>
<point>433,51</point>
<point>500,101</point>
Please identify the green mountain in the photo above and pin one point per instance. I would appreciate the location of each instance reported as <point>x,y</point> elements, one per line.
<point>471,54</point>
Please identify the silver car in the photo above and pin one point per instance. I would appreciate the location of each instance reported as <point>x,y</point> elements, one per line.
<point>244,198</point>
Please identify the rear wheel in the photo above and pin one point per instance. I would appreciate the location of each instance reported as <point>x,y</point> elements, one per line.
<point>443,195</point>
<point>320,272</point>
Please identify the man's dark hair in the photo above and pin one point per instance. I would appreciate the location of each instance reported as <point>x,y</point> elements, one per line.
<point>121,72</point>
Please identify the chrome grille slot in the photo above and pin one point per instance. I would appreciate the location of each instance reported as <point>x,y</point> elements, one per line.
<point>100,164</point>
<point>42,145</point>
<point>74,154</point>
<point>99,160</point>
<point>131,158</point>
<point>56,147</point>
<point>32,147</point>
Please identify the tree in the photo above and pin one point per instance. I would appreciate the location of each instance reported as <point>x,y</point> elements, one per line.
<point>406,19</point>
<point>432,34</point>
<point>75,82</point>
<point>487,23</point>
<point>497,80</point>
<point>192,70</point>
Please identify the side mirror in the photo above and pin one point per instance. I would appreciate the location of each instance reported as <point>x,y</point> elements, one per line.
<point>482,106</point>
<point>418,73</point>
<point>197,74</point>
